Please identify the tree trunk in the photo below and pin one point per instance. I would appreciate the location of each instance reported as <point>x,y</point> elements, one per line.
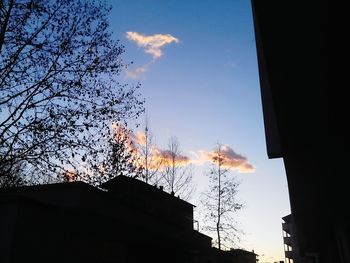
<point>219,206</point>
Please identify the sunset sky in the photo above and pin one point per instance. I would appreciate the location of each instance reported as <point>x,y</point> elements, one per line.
<point>196,62</point>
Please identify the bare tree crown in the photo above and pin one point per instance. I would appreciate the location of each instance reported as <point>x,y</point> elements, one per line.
<point>220,203</point>
<point>59,85</point>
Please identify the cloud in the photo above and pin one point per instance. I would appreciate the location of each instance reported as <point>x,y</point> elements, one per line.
<point>166,158</point>
<point>140,138</point>
<point>152,44</point>
<point>160,158</point>
<point>135,141</point>
<point>230,159</point>
<point>123,134</point>
<point>137,73</point>
<point>163,158</point>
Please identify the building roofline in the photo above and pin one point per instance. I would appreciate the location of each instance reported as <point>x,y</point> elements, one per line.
<point>109,184</point>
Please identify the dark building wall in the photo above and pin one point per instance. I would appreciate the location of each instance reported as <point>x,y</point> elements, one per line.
<point>151,200</point>
<point>8,215</point>
<point>39,224</point>
<point>44,233</point>
<point>291,46</point>
<point>232,256</point>
<point>75,222</point>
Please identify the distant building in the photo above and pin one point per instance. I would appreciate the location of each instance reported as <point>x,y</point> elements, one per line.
<point>291,249</point>
<point>233,256</point>
<point>130,221</point>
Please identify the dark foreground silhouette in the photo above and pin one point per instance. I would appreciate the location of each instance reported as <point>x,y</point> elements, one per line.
<point>292,54</point>
<point>125,221</point>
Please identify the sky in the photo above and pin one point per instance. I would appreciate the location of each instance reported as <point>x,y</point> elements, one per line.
<point>197,65</point>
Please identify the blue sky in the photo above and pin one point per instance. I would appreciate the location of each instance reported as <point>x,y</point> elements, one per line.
<point>204,89</point>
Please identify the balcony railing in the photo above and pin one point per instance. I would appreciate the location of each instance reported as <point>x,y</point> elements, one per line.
<point>289,254</point>
<point>287,241</point>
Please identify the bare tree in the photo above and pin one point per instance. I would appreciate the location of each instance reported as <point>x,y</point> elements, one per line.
<point>177,173</point>
<point>220,202</point>
<point>69,176</point>
<point>120,158</point>
<point>12,178</point>
<point>148,159</point>
<point>59,85</point>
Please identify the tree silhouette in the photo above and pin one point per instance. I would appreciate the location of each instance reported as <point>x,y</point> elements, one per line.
<point>177,173</point>
<point>59,85</point>
<point>120,158</point>
<point>148,159</point>
<point>12,178</point>
<point>220,202</point>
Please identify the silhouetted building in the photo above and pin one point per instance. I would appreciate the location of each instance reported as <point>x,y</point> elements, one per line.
<point>233,256</point>
<point>291,249</point>
<point>291,47</point>
<point>130,221</point>
<point>151,200</point>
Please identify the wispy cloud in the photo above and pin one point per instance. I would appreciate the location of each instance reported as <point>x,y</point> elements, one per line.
<point>230,159</point>
<point>166,158</point>
<point>122,133</point>
<point>151,44</point>
<point>162,158</point>
<point>137,73</point>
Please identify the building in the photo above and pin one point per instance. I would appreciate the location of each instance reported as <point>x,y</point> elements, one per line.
<point>126,220</point>
<point>291,249</point>
<point>291,47</point>
<point>235,256</point>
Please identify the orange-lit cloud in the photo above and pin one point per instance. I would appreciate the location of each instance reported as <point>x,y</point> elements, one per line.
<point>167,158</point>
<point>163,158</point>
<point>230,159</point>
<point>160,158</point>
<point>140,138</point>
<point>123,134</point>
<point>152,44</point>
